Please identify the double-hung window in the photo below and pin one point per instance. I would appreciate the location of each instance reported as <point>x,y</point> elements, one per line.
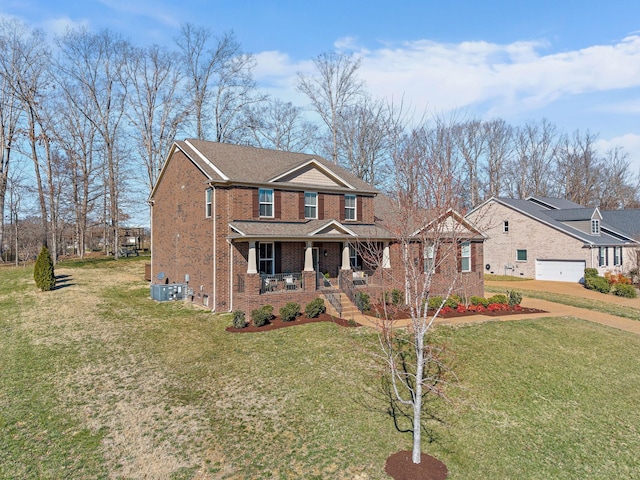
<point>429,258</point>
<point>266,263</point>
<point>310,205</point>
<point>350,207</point>
<point>617,256</point>
<point>465,257</point>
<point>265,198</point>
<point>603,256</point>
<point>208,202</point>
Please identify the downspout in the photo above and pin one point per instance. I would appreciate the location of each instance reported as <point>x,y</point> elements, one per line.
<point>231,275</point>
<point>215,244</point>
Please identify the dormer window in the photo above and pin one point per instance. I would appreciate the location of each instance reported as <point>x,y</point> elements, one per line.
<point>595,226</point>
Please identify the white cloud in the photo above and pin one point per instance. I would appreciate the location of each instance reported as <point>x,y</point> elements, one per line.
<point>629,142</point>
<point>60,25</point>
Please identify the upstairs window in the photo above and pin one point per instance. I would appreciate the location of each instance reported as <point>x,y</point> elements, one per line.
<point>465,257</point>
<point>595,227</point>
<point>350,207</point>
<point>505,226</point>
<point>265,198</point>
<point>310,205</point>
<point>208,202</point>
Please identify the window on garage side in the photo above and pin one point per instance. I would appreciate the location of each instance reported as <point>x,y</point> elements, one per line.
<point>603,256</point>
<point>465,256</point>
<point>521,255</point>
<point>617,256</point>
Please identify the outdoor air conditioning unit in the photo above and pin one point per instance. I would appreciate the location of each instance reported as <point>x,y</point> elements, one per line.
<point>167,292</point>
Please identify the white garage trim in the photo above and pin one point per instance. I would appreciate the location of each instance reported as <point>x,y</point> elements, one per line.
<point>560,270</point>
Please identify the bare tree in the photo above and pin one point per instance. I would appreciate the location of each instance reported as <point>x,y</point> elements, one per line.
<point>279,125</point>
<point>618,186</point>
<point>219,81</point>
<point>578,169</point>
<point>531,171</point>
<point>471,140</point>
<point>156,106</point>
<point>499,148</point>
<point>366,138</point>
<point>420,217</point>
<point>93,66</point>
<point>333,88</point>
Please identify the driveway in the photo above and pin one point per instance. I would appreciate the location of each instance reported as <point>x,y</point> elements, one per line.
<point>560,310</point>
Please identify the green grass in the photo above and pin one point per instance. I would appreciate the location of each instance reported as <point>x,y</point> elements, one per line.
<point>120,386</point>
<point>504,278</point>
<point>589,304</point>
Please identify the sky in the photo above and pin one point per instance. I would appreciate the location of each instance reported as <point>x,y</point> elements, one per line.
<point>575,63</point>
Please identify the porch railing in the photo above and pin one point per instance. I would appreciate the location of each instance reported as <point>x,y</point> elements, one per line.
<point>334,300</point>
<point>281,282</point>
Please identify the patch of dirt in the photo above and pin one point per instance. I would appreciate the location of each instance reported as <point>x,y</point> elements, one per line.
<point>401,467</point>
<point>301,320</point>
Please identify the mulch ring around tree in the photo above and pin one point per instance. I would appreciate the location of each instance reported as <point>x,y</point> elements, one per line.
<point>401,467</point>
<point>400,314</point>
<point>276,323</point>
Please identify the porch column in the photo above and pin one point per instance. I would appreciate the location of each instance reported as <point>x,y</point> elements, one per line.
<point>252,267</point>
<point>386,258</point>
<point>308,257</point>
<point>346,261</point>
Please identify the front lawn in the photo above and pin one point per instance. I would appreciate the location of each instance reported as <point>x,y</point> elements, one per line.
<point>98,381</point>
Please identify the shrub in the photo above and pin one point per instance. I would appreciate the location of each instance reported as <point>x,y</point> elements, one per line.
<point>363,302</point>
<point>624,290</point>
<point>499,298</point>
<point>239,320</point>
<point>397,297</point>
<point>461,308</point>
<point>289,312</point>
<point>475,300</point>
<point>598,284</point>
<point>515,298</point>
<point>616,278</point>
<point>261,316</point>
<point>453,301</point>
<point>43,272</point>
<point>314,308</point>
<point>590,272</point>
<point>435,302</point>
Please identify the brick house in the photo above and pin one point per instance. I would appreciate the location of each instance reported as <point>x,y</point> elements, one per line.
<point>243,227</point>
<point>554,239</point>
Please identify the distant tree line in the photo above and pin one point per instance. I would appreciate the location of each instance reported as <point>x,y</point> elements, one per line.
<point>87,118</point>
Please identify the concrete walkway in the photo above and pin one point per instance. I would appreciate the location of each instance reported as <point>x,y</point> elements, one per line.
<point>553,309</point>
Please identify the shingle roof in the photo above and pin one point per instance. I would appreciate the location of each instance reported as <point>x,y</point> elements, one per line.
<point>309,229</point>
<point>609,235</point>
<point>242,164</point>
<point>626,221</point>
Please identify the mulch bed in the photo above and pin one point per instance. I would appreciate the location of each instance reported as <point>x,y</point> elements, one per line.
<point>301,320</point>
<point>401,467</point>
<point>376,310</point>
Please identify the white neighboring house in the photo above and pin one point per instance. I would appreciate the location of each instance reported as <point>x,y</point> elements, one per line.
<point>552,239</point>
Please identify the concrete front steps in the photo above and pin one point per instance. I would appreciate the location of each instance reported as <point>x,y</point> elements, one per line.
<point>349,310</point>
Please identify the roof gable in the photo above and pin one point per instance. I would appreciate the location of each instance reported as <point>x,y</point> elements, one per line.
<point>312,172</point>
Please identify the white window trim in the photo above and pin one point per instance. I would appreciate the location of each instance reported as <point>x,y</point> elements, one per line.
<point>314,206</point>
<point>505,226</point>
<point>272,258</point>
<point>617,256</point>
<point>595,226</point>
<point>353,257</point>
<point>208,203</point>
<point>429,258</point>
<point>354,209</point>
<point>467,246</point>
<point>526,254</point>
<point>603,256</point>
<point>260,203</point>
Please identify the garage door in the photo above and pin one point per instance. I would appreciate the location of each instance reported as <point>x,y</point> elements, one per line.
<point>560,270</point>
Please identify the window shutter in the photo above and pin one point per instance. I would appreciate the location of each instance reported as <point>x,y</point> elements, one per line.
<point>358,209</point>
<point>421,249</point>
<point>341,216</point>
<point>277,252</point>
<point>256,205</point>
<point>277,200</point>
<point>301,206</point>
<point>437,258</point>
<point>474,256</point>
<point>321,206</point>
<point>459,256</point>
